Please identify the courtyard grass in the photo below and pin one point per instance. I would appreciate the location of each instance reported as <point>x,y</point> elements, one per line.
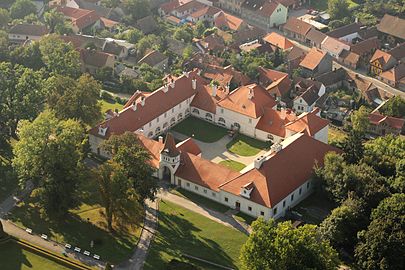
<point>14,257</point>
<point>81,226</point>
<point>111,104</point>
<point>200,130</point>
<point>181,231</point>
<point>200,200</point>
<point>315,208</point>
<point>244,218</point>
<point>232,164</point>
<point>245,146</point>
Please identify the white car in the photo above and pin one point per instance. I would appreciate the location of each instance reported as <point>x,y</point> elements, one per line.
<point>96,257</point>
<point>87,253</point>
<point>44,236</point>
<point>28,230</point>
<point>77,249</point>
<point>68,246</point>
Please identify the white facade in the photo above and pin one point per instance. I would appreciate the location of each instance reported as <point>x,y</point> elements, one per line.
<point>279,16</point>
<point>22,38</point>
<point>300,106</point>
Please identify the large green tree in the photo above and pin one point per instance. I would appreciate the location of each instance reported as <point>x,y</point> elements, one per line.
<point>22,8</point>
<point>60,58</point>
<point>338,9</point>
<point>49,153</point>
<point>4,17</point>
<point>53,19</point>
<point>137,9</point>
<point>119,198</point>
<point>21,96</point>
<point>74,99</point>
<point>394,107</point>
<point>281,247</point>
<point>126,151</point>
<point>29,56</point>
<point>382,245</point>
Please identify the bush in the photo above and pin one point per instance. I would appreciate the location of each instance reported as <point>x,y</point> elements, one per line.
<point>106,96</point>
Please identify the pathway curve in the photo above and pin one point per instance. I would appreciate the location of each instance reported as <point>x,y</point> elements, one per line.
<point>138,258</point>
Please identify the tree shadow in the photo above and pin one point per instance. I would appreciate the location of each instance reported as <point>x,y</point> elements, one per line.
<point>12,256</point>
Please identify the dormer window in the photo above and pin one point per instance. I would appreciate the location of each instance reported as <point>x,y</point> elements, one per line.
<point>246,190</point>
<point>102,130</point>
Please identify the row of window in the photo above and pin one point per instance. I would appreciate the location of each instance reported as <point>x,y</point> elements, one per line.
<point>205,190</point>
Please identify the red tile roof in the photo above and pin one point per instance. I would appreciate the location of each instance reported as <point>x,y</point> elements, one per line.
<point>274,121</point>
<point>228,21</point>
<point>168,7</point>
<point>312,59</point>
<point>80,17</point>
<point>95,58</point>
<point>276,82</point>
<point>381,56</point>
<point>297,26</point>
<point>279,41</point>
<point>283,172</point>
<point>189,146</point>
<point>395,74</point>
<point>394,122</point>
<point>308,122</point>
<point>153,147</point>
<point>248,100</point>
<point>205,101</point>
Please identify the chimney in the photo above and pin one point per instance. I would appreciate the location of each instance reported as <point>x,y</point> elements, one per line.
<point>160,138</point>
<point>172,83</point>
<point>259,161</point>
<point>275,148</point>
<point>165,88</point>
<point>283,114</point>
<point>134,107</point>
<point>227,88</point>
<point>194,83</point>
<point>143,101</point>
<point>214,89</point>
<point>251,94</point>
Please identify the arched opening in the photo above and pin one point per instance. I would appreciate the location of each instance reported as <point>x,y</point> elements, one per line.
<point>208,116</point>
<point>150,134</point>
<point>172,121</point>
<point>196,111</point>
<point>157,131</point>
<point>180,116</point>
<point>167,174</point>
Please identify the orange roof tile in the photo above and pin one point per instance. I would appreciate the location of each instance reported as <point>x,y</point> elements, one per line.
<point>394,122</point>
<point>381,56</point>
<point>274,121</point>
<point>205,101</point>
<point>312,59</point>
<point>153,147</point>
<point>249,100</point>
<point>278,40</point>
<point>227,20</point>
<point>308,122</point>
<point>189,146</point>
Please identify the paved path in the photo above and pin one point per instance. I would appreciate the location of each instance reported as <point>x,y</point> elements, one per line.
<point>149,229</point>
<point>209,213</point>
<point>217,151</point>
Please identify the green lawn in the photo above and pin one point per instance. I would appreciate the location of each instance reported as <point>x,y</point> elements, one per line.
<point>182,231</point>
<point>200,130</point>
<point>234,165</point>
<point>245,146</point>
<point>13,257</point>
<point>80,227</point>
<point>106,105</point>
<point>200,200</point>
<point>244,218</point>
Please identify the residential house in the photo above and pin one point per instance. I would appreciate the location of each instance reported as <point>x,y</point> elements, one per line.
<point>147,25</point>
<point>212,43</point>
<point>346,33</point>
<point>315,63</point>
<point>227,77</point>
<point>278,41</point>
<point>20,33</point>
<point>82,20</point>
<point>93,60</point>
<point>334,46</point>
<point>398,52</point>
<point>234,6</point>
<point>276,83</point>
<point>349,59</point>
<point>228,22</point>
<point>155,59</point>
<point>264,14</point>
<point>183,11</point>
<point>166,8</point>
<point>120,52</point>
<point>392,29</point>
<point>294,58</point>
<point>381,61</point>
<point>394,75</point>
<point>381,125</point>
<point>261,47</point>
<point>114,14</point>
<point>250,33</point>
<point>294,4</point>
<point>206,14</point>
<point>296,29</point>
<point>332,80</point>
<point>314,38</point>
<point>305,94</point>
<point>365,49</point>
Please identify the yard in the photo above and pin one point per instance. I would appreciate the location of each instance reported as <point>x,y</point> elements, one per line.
<point>200,200</point>
<point>13,257</point>
<point>234,165</point>
<point>80,227</point>
<point>181,231</point>
<point>200,130</point>
<point>107,105</point>
<point>245,146</point>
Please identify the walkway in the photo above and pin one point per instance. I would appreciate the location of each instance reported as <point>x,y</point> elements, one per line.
<point>217,151</point>
<point>150,225</point>
<point>209,213</point>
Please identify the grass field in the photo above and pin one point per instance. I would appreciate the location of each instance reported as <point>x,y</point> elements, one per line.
<point>182,231</point>
<point>200,200</point>
<point>244,218</point>
<point>200,130</point>
<point>13,257</point>
<point>232,164</point>
<point>245,146</point>
<point>107,105</point>
<point>80,227</point>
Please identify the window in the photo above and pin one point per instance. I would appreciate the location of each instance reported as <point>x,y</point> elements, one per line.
<point>157,119</point>
<point>308,184</point>
<point>300,191</point>
<point>165,115</point>
<point>283,203</point>
<point>250,121</point>
<point>172,110</point>
<point>222,110</point>
<point>249,208</point>
<point>226,199</point>
<point>196,111</point>
<point>275,211</point>
<point>205,191</point>
<point>261,213</point>
<point>213,194</point>
<point>188,184</point>
<point>150,134</point>
<point>292,197</point>
<point>150,124</point>
<point>196,188</point>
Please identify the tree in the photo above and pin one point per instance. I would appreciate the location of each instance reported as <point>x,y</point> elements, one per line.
<point>29,56</point>
<point>342,225</point>
<point>199,28</point>
<point>22,8</point>
<point>110,3</point>
<point>60,58</point>
<point>137,9</point>
<point>280,246</point>
<point>119,198</point>
<point>126,151</point>
<point>4,17</point>
<point>382,245</point>
<point>21,96</point>
<point>188,52</point>
<point>394,107</point>
<point>49,153</point>
<point>53,19</point>
<point>338,9</point>
<point>360,121</point>
<point>184,33</point>
<point>4,50</point>
<point>353,146</point>
<point>133,35</point>
<point>75,99</point>
<point>104,74</point>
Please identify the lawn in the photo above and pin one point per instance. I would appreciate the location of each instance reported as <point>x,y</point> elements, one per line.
<point>245,146</point>
<point>107,105</point>
<point>80,227</point>
<point>181,231</point>
<point>315,208</point>
<point>200,130</point>
<point>244,218</point>
<point>13,257</point>
<point>232,164</point>
<point>200,200</point>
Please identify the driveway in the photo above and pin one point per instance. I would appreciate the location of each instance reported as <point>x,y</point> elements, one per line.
<point>217,151</point>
